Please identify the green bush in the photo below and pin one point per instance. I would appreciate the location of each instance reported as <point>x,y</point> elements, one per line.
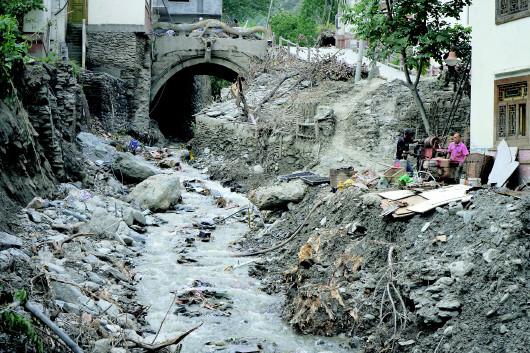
<point>13,51</point>
<point>18,8</point>
<point>13,47</point>
<point>296,28</point>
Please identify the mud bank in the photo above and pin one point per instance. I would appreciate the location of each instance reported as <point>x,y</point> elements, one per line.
<point>453,280</point>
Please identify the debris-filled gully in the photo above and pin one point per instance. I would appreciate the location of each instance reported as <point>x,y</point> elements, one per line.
<point>146,253</point>
<point>187,265</point>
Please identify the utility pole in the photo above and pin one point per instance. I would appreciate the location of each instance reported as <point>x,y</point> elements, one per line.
<point>269,14</point>
<point>360,54</point>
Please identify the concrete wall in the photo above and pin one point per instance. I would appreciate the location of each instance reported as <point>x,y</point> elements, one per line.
<point>116,12</point>
<point>38,22</point>
<point>499,51</point>
<point>190,11</point>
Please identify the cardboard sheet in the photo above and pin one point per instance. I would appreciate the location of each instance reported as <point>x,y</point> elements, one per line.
<point>504,166</point>
<point>396,194</point>
<point>432,204</point>
<point>446,193</point>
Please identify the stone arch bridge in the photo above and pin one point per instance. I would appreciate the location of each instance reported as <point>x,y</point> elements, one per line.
<point>226,53</point>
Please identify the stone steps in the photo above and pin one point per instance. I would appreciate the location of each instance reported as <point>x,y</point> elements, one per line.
<point>74,38</point>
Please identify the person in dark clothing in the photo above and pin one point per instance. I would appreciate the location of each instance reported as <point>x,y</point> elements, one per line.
<point>403,147</point>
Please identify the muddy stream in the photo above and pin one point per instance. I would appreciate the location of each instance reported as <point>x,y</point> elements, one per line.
<point>236,315</point>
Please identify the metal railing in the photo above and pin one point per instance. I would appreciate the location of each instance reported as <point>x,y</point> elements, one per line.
<point>290,44</point>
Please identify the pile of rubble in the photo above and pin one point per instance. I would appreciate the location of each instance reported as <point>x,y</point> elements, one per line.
<point>72,255</point>
<point>451,280</point>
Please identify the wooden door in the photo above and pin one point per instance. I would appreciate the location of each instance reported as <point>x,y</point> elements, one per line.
<point>77,11</point>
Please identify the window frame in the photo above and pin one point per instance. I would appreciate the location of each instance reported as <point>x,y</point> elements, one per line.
<point>519,141</point>
<point>501,19</point>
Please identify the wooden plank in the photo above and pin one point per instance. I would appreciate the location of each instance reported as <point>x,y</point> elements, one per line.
<point>396,194</point>
<point>447,192</point>
<point>409,201</point>
<point>432,204</point>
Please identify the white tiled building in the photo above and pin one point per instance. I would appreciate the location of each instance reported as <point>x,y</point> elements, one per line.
<point>500,73</point>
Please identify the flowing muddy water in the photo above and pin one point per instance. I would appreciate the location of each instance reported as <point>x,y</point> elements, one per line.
<point>236,315</point>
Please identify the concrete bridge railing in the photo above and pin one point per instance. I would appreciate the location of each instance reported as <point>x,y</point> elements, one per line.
<point>207,55</point>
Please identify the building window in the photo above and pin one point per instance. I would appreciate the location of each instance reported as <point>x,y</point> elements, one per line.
<point>510,10</point>
<point>511,118</point>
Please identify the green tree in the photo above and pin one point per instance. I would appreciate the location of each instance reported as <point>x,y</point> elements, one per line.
<point>245,10</point>
<point>18,8</point>
<point>13,47</point>
<point>296,28</point>
<point>418,30</point>
<point>321,11</point>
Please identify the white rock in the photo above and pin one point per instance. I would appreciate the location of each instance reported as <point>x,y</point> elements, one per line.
<point>258,169</point>
<point>157,193</point>
<point>460,268</point>
<point>278,196</point>
<point>102,346</point>
<point>490,255</point>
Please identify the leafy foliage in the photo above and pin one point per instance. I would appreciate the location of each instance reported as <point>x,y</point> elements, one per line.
<point>13,323</point>
<point>13,48</point>
<point>217,85</point>
<point>418,30</point>
<point>18,8</point>
<point>296,28</point>
<point>320,11</point>
<point>243,10</point>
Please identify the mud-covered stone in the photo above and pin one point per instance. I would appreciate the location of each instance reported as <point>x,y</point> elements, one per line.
<point>278,196</point>
<point>133,168</point>
<point>156,193</point>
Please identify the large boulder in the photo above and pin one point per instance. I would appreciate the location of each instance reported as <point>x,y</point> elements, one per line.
<point>133,169</point>
<point>8,241</point>
<point>95,148</point>
<point>157,193</point>
<point>278,196</point>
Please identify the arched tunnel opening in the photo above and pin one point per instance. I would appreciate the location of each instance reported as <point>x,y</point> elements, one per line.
<point>186,93</point>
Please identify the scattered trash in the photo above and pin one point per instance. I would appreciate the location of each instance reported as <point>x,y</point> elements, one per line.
<point>204,236</point>
<point>440,239</point>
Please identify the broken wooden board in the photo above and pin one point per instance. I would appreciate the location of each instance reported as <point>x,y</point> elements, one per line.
<point>447,192</point>
<point>409,201</point>
<point>432,204</point>
<point>388,207</point>
<point>396,194</point>
<point>504,166</point>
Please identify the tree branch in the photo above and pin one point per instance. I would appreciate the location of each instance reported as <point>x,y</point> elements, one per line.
<point>406,68</point>
<point>170,342</point>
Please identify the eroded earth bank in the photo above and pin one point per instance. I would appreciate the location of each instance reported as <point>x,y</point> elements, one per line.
<point>130,253</point>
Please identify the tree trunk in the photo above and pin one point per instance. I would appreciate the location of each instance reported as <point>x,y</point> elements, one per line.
<point>359,66</point>
<point>413,86</point>
<point>421,108</point>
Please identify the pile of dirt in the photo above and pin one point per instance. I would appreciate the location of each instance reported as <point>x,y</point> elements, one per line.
<point>454,280</point>
<point>307,120</point>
